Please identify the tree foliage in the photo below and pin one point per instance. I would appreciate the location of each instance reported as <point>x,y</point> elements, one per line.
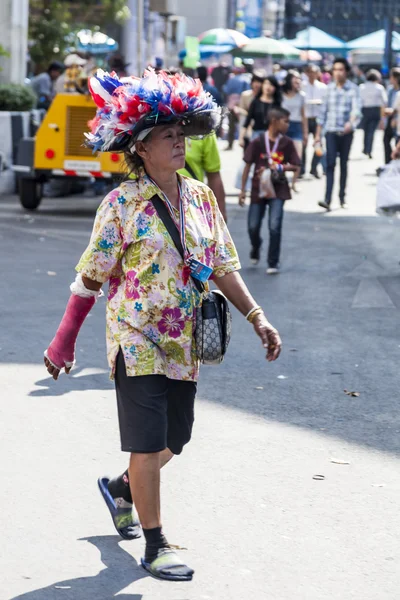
<point>16,97</point>
<point>53,24</point>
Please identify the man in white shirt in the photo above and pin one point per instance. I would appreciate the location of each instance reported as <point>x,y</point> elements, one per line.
<point>315,92</point>
<point>396,108</point>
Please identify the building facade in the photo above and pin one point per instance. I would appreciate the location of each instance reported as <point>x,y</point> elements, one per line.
<point>346,19</point>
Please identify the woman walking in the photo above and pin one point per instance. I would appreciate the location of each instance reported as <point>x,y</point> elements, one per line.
<point>268,97</point>
<point>294,101</point>
<point>151,295</point>
<point>374,99</point>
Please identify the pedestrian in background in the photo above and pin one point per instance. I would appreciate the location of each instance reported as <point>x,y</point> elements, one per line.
<point>220,75</point>
<point>273,154</point>
<point>71,79</point>
<point>211,89</point>
<point>269,96</point>
<point>390,114</point>
<point>357,75</point>
<point>315,92</point>
<point>44,84</point>
<point>374,100</point>
<point>247,97</point>
<point>280,73</point>
<point>326,75</point>
<point>340,116</point>
<point>294,100</point>
<point>236,84</point>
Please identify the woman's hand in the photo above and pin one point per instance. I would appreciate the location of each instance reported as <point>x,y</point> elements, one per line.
<point>242,198</point>
<point>53,370</point>
<point>269,337</point>
<point>260,171</point>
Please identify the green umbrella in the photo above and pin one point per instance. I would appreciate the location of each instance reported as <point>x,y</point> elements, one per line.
<point>262,47</point>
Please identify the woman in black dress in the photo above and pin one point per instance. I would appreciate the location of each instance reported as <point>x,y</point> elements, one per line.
<point>270,95</point>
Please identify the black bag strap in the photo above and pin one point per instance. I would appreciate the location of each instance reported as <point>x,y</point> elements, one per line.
<point>172,229</point>
<point>190,171</point>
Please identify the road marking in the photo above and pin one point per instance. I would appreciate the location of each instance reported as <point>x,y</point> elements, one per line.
<point>371,294</point>
<point>366,268</point>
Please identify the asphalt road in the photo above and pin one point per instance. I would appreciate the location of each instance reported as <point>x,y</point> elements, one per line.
<point>242,499</point>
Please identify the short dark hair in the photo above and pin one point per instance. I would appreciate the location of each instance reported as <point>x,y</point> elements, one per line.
<point>344,62</point>
<point>202,73</point>
<point>277,112</point>
<point>395,73</point>
<point>258,75</point>
<point>373,75</point>
<point>56,66</point>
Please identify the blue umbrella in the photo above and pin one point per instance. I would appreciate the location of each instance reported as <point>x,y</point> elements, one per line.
<point>95,42</point>
<point>207,51</point>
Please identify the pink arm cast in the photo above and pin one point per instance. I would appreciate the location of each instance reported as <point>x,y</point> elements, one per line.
<point>61,352</point>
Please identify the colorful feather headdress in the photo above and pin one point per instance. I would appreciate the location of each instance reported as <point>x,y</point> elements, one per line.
<point>128,106</point>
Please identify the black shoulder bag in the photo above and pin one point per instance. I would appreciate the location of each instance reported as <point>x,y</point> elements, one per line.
<point>213,317</point>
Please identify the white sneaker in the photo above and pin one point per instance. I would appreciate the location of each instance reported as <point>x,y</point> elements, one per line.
<point>272,271</point>
<point>254,261</point>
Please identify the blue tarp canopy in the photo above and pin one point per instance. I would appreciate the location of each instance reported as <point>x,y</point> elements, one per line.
<point>374,41</point>
<point>313,38</point>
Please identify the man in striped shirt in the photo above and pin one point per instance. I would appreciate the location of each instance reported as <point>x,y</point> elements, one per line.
<point>340,116</point>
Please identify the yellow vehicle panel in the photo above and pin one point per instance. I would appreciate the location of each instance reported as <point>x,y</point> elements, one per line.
<point>60,138</point>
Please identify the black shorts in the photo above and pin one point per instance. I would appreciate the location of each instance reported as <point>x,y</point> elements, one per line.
<point>154,412</point>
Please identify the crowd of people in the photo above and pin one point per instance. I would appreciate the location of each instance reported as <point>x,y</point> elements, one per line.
<point>325,105</point>
<point>277,115</point>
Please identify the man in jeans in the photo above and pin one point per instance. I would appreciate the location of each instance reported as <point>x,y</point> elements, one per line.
<point>272,152</point>
<point>340,115</point>
<point>390,114</point>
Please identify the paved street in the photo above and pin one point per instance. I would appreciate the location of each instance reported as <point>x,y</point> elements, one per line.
<point>242,499</point>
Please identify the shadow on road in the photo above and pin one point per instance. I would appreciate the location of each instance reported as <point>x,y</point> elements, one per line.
<point>121,570</point>
<point>71,383</point>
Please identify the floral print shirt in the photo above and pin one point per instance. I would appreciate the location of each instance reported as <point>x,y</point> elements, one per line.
<point>151,297</point>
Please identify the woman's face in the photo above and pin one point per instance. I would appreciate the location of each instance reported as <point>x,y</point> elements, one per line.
<point>268,89</point>
<point>296,84</point>
<point>164,150</point>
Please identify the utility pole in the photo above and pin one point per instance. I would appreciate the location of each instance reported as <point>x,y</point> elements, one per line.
<point>387,57</point>
<point>140,21</point>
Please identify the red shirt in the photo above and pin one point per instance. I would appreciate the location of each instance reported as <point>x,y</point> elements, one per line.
<point>256,152</point>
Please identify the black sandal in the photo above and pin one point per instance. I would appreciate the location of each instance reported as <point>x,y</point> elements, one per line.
<point>168,566</point>
<point>125,520</point>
